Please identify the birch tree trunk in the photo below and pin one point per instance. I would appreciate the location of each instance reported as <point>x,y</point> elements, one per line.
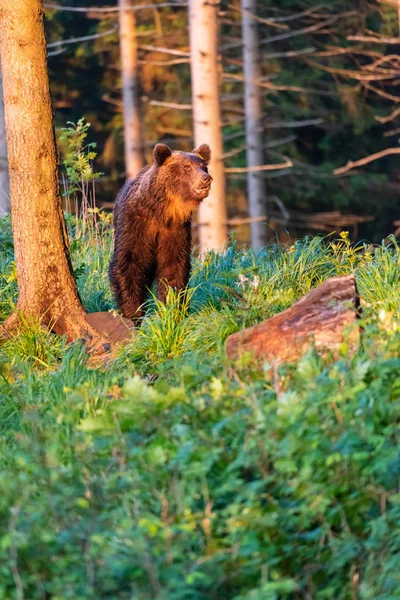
<point>47,290</point>
<point>133,137</point>
<point>253,114</point>
<point>207,117</point>
<point>4,181</point>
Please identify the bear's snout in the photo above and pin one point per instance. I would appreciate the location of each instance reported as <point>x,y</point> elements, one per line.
<point>207,179</point>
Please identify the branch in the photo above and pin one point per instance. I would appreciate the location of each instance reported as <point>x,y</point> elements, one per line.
<point>231,97</point>
<point>381,60</point>
<point>165,63</point>
<point>56,52</point>
<point>304,30</point>
<point>392,132</point>
<point>394,3</point>
<point>110,9</point>
<point>390,117</point>
<point>289,34</point>
<point>373,39</point>
<point>364,161</point>
<point>382,93</point>
<point>235,151</point>
<point>234,221</point>
<point>246,220</point>
<point>184,133</point>
<point>233,136</point>
<point>298,15</point>
<point>165,50</point>
<point>114,101</point>
<point>305,123</point>
<point>272,144</point>
<point>336,51</point>
<point>276,88</point>
<point>81,39</point>
<point>355,74</point>
<point>231,122</point>
<point>171,105</point>
<point>285,140</point>
<point>270,22</point>
<point>266,174</point>
<point>275,167</point>
<point>281,206</point>
<point>289,53</point>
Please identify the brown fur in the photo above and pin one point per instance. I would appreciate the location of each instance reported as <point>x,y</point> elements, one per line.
<point>152,220</point>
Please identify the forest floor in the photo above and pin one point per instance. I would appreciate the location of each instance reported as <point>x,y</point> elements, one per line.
<point>172,473</point>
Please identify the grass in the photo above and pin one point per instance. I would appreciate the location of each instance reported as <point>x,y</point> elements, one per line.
<point>174,474</point>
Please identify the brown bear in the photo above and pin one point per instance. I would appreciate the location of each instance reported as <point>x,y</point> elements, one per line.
<point>152,221</point>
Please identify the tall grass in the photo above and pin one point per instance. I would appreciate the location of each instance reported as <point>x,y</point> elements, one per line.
<point>227,291</point>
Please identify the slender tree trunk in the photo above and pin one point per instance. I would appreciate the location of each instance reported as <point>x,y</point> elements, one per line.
<point>398,14</point>
<point>253,113</point>
<point>4,182</point>
<point>207,117</point>
<point>47,289</point>
<point>130,90</point>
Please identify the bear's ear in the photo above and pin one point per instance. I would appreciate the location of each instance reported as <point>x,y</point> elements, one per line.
<point>204,151</point>
<point>160,154</point>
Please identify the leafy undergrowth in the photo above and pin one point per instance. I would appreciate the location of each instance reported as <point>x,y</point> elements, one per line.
<point>173,474</point>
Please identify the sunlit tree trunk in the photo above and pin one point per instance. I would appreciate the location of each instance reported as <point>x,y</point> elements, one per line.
<point>207,117</point>
<point>4,182</point>
<point>133,136</point>
<point>253,113</point>
<point>46,285</point>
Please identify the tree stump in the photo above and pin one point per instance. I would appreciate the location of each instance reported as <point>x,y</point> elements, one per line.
<point>324,319</point>
<point>115,328</point>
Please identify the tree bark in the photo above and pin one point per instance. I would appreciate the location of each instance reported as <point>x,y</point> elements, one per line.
<point>253,113</point>
<point>4,181</point>
<point>47,290</point>
<point>133,136</point>
<point>323,319</point>
<point>207,117</point>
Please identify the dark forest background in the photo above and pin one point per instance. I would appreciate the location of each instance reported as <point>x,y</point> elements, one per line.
<point>332,97</point>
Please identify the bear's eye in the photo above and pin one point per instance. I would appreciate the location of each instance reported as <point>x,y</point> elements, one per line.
<point>187,168</point>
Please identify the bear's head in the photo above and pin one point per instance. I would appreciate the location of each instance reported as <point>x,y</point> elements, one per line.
<point>184,175</point>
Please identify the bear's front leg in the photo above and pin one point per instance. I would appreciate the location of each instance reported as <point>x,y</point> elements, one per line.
<point>132,269</point>
<point>173,259</point>
<point>130,286</point>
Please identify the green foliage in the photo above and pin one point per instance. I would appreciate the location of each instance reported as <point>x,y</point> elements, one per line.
<point>91,250</point>
<point>79,156</point>
<point>33,345</point>
<point>171,473</point>
<point>165,332</point>
<point>8,275</point>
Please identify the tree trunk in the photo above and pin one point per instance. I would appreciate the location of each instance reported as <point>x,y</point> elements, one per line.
<point>398,15</point>
<point>47,290</point>
<point>253,113</point>
<point>133,137</point>
<point>4,181</point>
<point>207,117</point>
<point>323,318</point>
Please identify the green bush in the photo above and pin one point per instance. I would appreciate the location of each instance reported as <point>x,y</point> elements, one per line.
<point>175,474</point>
